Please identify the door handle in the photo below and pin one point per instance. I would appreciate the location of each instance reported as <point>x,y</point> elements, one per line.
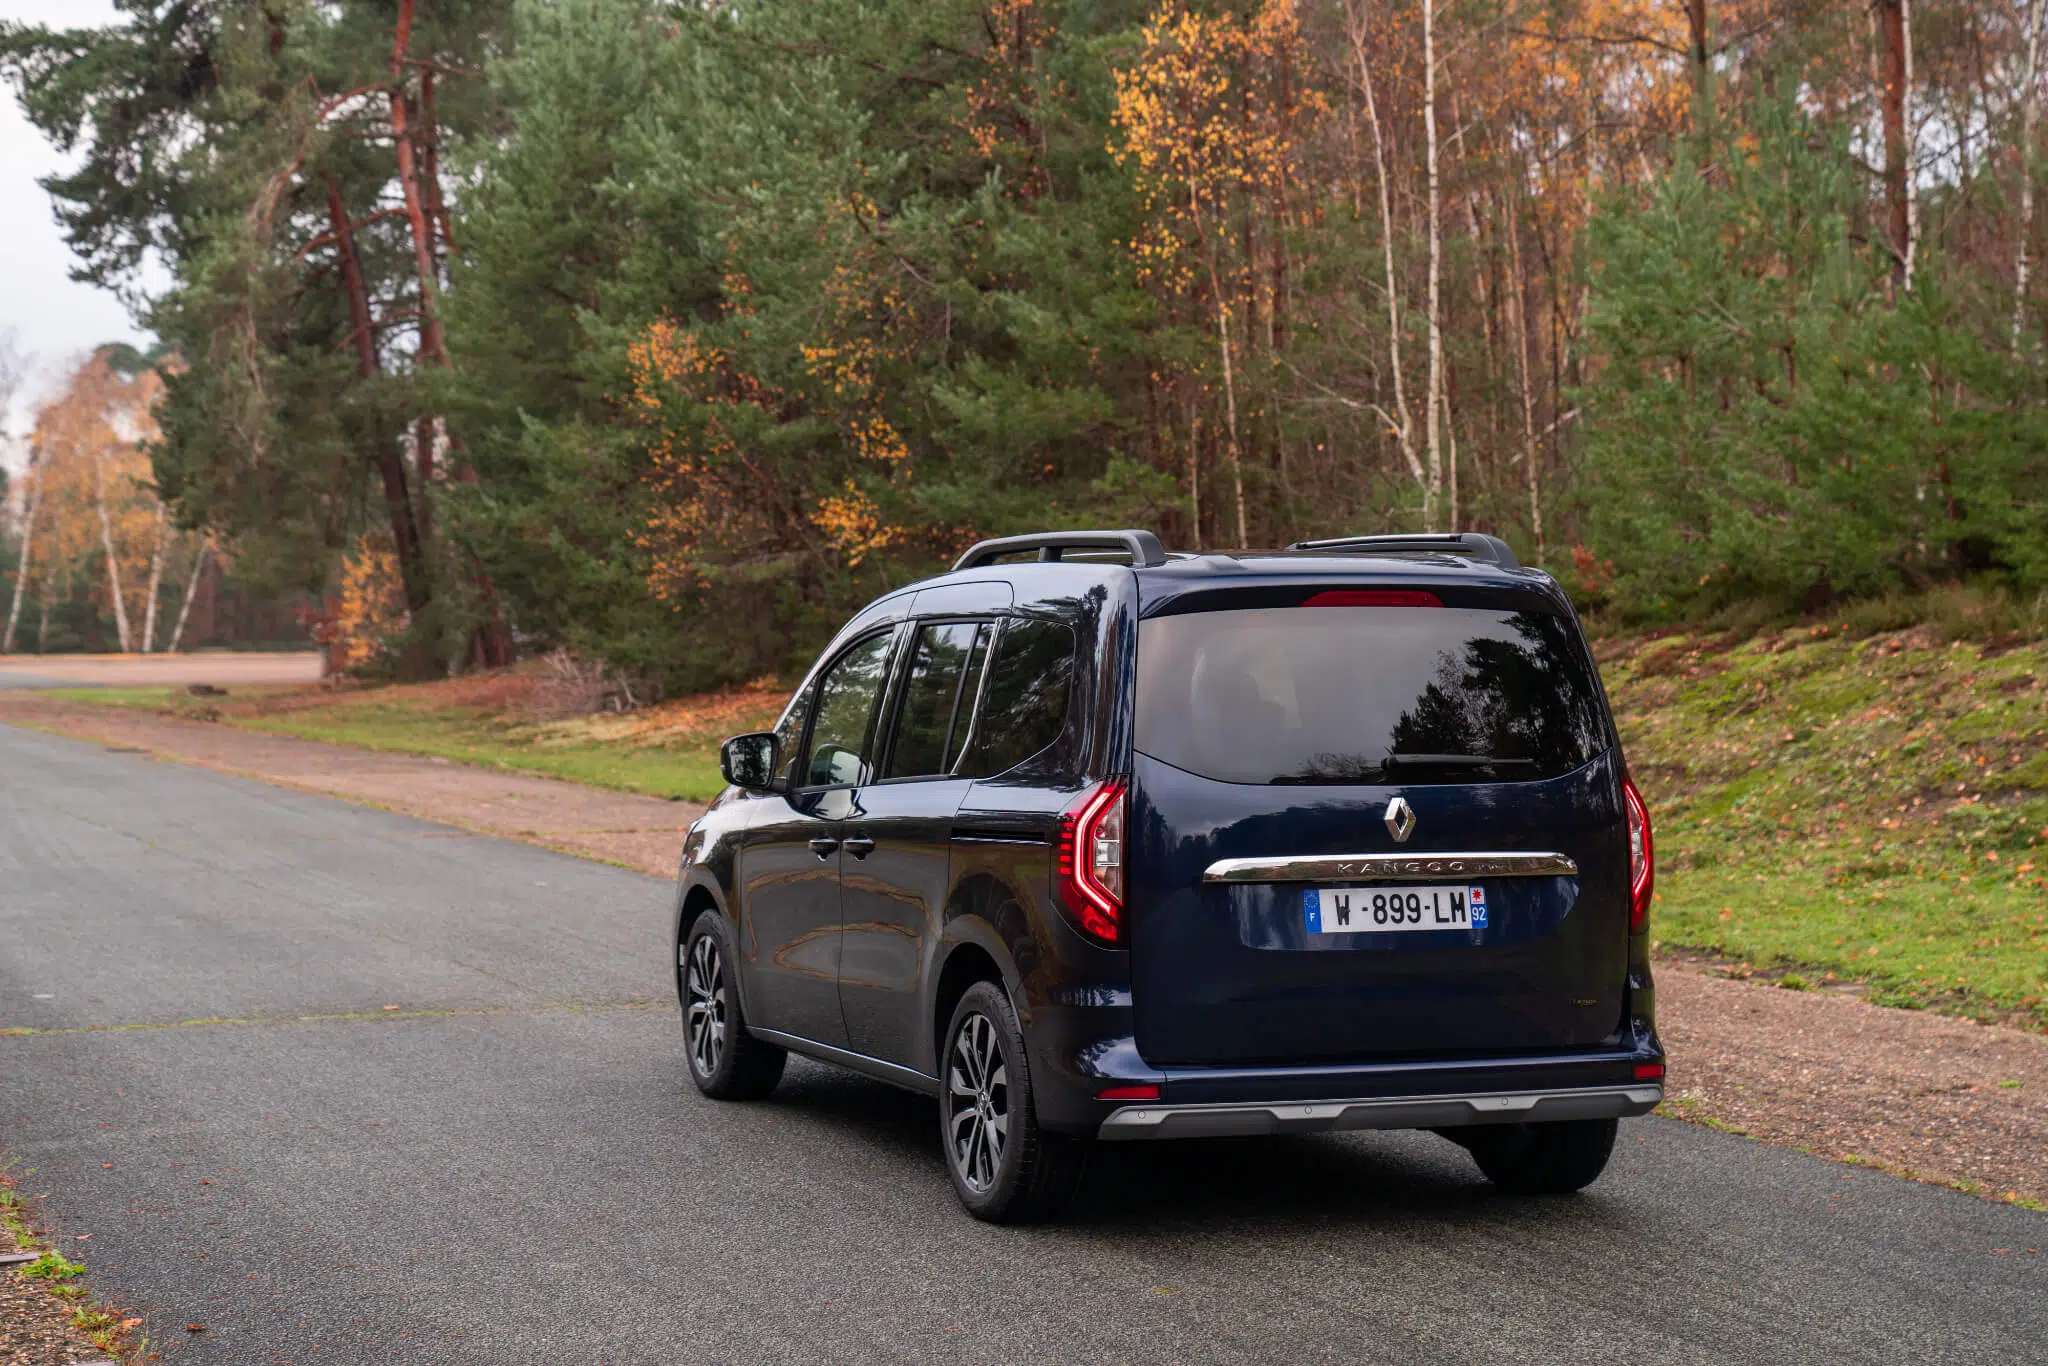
<point>824,848</point>
<point>860,846</point>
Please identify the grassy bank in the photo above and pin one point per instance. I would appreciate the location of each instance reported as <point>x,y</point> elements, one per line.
<point>1832,809</point>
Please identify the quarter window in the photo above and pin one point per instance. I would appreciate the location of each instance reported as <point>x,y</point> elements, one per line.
<point>938,698</point>
<point>841,737</point>
<point>1025,702</point>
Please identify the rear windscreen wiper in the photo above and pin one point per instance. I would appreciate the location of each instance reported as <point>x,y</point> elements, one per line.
<point>1451,761</point>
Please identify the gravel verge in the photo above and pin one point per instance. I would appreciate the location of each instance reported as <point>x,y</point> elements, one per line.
<point>1927,1096</point>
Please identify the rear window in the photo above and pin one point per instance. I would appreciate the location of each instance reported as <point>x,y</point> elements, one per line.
<point>1336,695</point>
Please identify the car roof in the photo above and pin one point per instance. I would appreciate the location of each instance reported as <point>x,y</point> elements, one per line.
<point>1038,583</point>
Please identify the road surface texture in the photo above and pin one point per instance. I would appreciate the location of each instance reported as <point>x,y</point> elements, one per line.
<point>511,1167</point>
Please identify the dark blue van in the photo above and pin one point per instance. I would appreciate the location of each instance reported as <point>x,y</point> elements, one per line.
<point>1095,843</point>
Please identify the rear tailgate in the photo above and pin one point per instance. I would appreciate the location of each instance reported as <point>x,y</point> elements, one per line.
<point>1280,736</point>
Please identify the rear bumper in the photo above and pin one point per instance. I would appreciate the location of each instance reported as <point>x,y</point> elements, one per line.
<point>1152,1120</point>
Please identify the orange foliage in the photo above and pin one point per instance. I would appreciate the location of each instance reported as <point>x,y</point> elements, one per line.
<point>1212,110</point>
<point>371,616</point>
<point>717,504</point>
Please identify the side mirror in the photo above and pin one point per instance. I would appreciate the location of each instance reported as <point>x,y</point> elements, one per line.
<point>749,762</point>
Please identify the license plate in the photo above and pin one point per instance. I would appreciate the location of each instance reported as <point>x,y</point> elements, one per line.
<point>1372,910</point>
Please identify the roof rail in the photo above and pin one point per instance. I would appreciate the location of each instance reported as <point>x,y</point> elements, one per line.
<point>1142,546</point>
<point>1472,543</point>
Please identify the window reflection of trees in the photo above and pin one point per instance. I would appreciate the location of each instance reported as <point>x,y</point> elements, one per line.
<point>1530,698</point>
<point>935,685</point>
<point>1025,706</point>
<point>846,706</point>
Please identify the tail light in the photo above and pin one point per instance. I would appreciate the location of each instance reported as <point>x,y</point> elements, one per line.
<point>1091,861</point>
<point>1642,862</point>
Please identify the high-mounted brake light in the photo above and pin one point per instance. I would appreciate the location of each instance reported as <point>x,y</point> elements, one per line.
<point>1374,597</point>
<point>1642,859</point>
<point>1091,861</point>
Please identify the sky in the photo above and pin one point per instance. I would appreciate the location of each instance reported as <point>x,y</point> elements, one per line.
<point>54,319</point>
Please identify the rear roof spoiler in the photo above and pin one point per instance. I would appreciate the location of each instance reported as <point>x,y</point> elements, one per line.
<point>1470,543</point>
<point>1142,546</point>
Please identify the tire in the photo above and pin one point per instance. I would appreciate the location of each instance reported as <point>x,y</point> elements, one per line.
<point>725,1061</point>
<point>1555,1158</point>
<point>1005,1168</point>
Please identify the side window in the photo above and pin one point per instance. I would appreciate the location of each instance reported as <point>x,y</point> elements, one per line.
<point>938,698</point>
<point>845,708</point>
<point>789,731</point>
<point>1024,704</point>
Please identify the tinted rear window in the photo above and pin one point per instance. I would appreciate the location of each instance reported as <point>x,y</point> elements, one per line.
<point>1367,695</point>
<point>1024,704</point>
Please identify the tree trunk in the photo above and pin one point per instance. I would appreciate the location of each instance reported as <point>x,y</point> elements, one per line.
<point>191,592</point>
<point>43,607</point>
<point>398,503</point>
<point>1892,17</point>
<point>1432,413</point>
<point>107,543</point>
<point>431,348</point>
<point>493,645</point>
<point>1406,429</point>
<point>1702,70</point>
<point>2022,257</point>
<point>1229,371</point>
<point>156,577</point>
<point>1519,318</point>
<point>430,165</point>
<point>33,504</point>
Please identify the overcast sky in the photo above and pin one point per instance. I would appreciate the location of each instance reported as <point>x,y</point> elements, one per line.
<point>54,318</point>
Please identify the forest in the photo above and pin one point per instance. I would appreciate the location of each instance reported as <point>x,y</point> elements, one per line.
<point>663,333</point>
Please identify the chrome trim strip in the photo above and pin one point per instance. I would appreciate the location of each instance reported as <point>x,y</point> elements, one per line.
<point>1389,867</point>
<point>895,1074</point>
<point>1393,1112</point>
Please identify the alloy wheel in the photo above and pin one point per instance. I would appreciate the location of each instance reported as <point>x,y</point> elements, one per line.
<point>704,985</point>
<point>978,1102</point>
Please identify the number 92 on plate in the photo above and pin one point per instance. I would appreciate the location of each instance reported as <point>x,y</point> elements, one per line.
<point>1370,910</point>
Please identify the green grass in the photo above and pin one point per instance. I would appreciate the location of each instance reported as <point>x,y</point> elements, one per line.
<point>146,699</point>
<point>1841,810</point>
<point>684,774</point>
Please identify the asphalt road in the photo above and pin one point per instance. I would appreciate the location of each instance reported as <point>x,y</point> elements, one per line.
<point>511,1166</point>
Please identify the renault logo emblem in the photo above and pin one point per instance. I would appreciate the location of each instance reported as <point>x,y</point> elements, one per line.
<point>1400,819</point>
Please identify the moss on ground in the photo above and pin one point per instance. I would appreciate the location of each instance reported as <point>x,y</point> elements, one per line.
<point>1871,811</point>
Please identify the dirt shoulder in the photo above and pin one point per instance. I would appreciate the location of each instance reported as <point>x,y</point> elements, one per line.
<point>46,1317</point>
<point>1928,1096</point>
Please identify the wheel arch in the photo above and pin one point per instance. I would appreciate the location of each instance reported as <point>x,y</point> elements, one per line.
<point>972,958</point>
<point>700,893</point>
